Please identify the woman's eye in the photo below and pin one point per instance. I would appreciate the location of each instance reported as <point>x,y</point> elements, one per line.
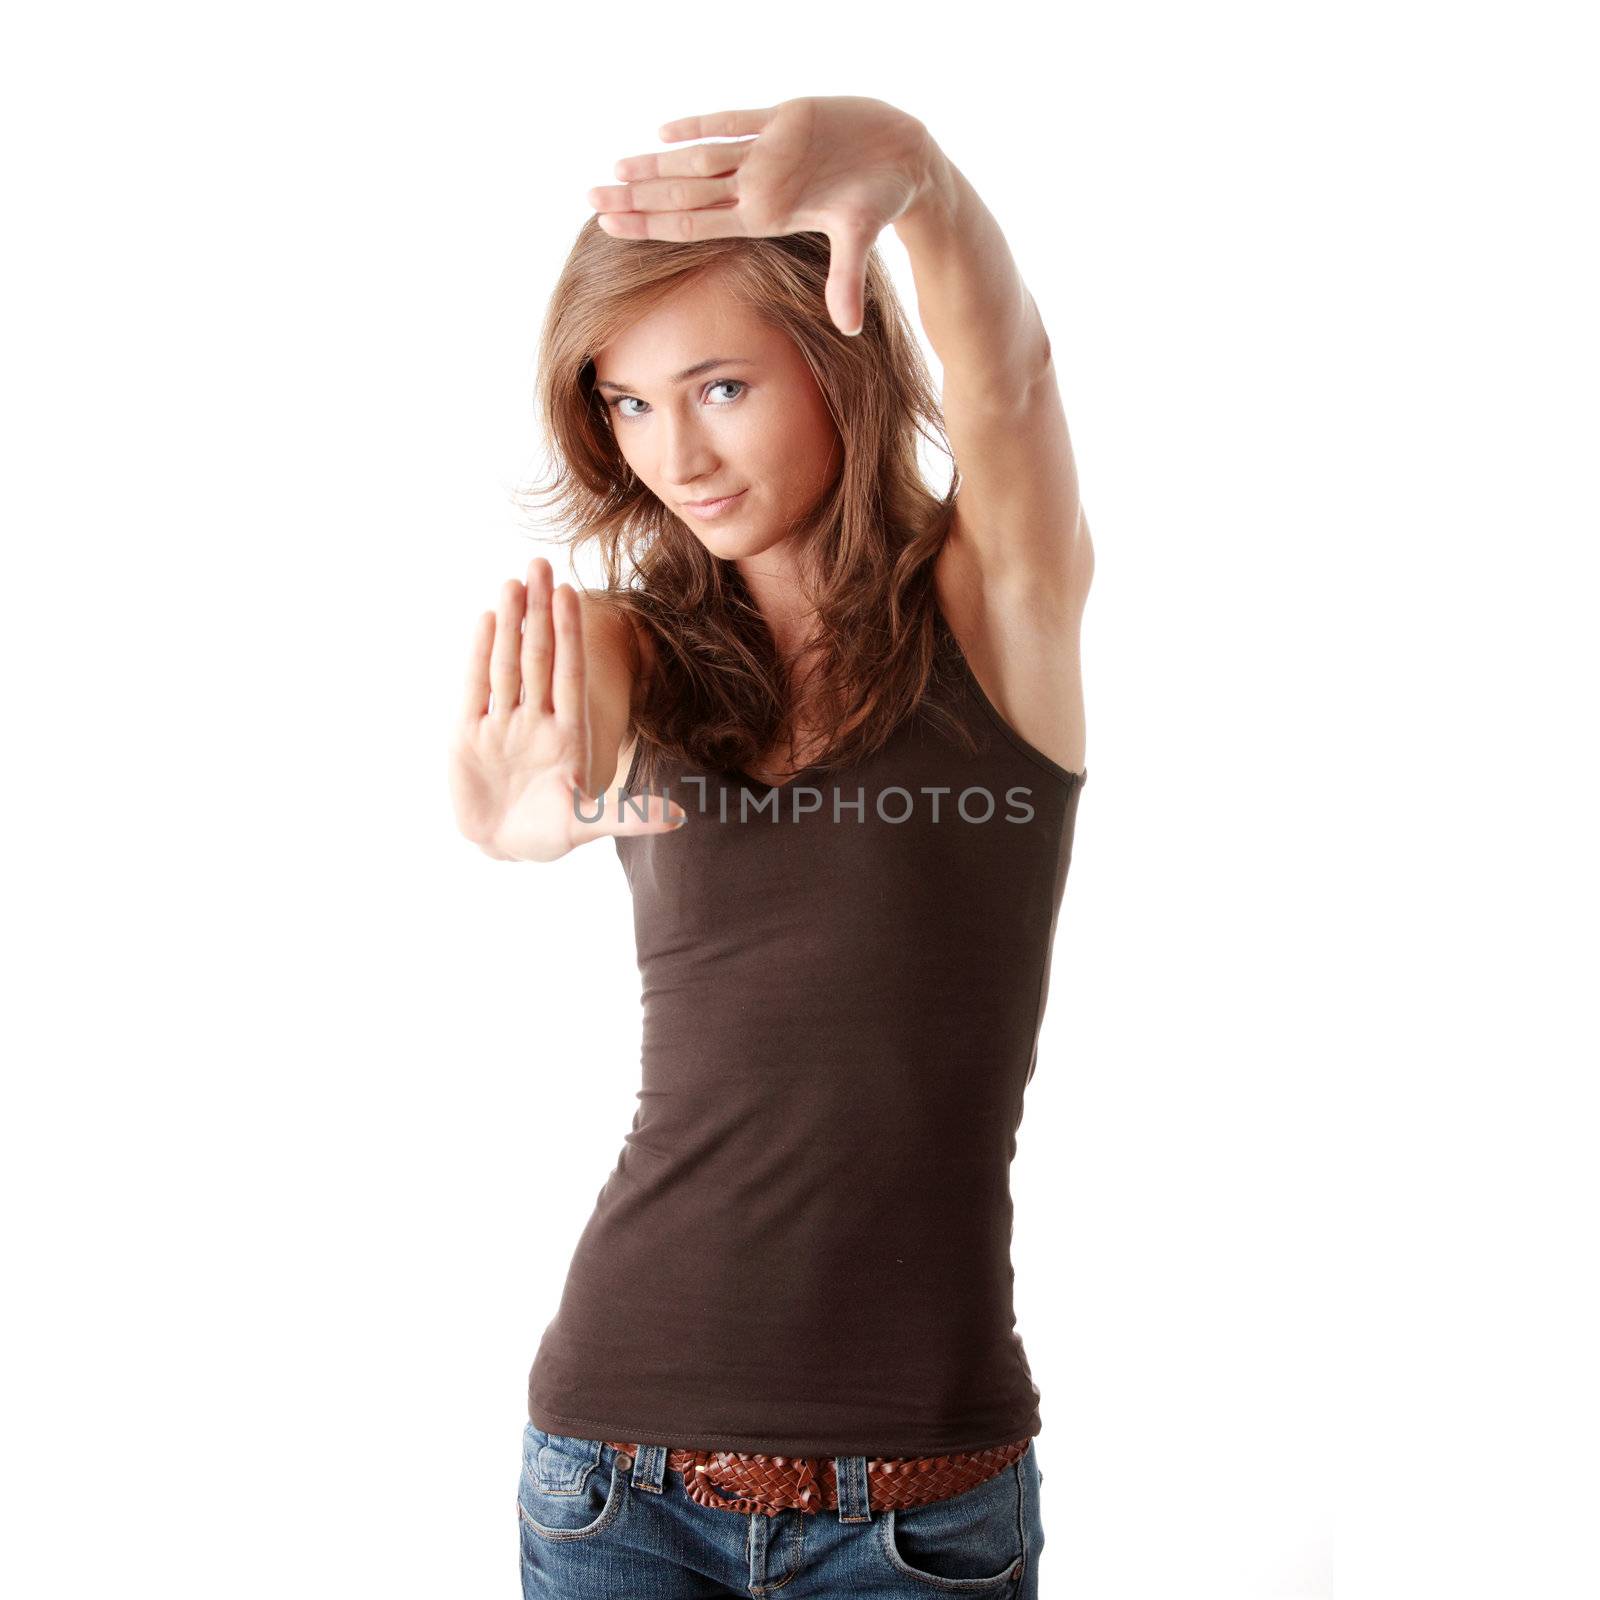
<point>721,383</point>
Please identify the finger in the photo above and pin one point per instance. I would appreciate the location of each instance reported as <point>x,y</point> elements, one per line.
<point>697,161</point>
<point>847,278</point>
<point>475,701</point>
<point>725,222</point>
<point>663,194</point>
<point>568,678</point>
<point>538,639</point>
<point>719,125</point>
<point>504,678</point>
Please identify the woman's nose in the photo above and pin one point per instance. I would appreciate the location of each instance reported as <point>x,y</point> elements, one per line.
<point>686,455</point>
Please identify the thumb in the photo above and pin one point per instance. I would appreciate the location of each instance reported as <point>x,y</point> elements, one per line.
<point>847,278</point>
<point>614,813</point>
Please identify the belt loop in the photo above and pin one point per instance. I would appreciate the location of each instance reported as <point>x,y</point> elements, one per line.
<point>850,1473</point>
<point>650,1468</point>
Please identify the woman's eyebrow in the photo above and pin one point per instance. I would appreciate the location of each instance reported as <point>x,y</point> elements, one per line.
<point>686,374</point>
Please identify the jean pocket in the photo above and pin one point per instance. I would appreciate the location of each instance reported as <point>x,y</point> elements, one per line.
<point>564,1492</point>
<point>972,1543</point>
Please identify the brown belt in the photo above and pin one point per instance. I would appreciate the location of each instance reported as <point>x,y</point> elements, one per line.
<point>731,1480</point>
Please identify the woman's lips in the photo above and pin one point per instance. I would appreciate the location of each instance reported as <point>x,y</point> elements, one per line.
<point>712,508</point>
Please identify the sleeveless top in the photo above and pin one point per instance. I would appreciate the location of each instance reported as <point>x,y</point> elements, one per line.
<point>804,1246</point>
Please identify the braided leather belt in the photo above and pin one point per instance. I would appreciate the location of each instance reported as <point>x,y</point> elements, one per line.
<point>731,1480</point>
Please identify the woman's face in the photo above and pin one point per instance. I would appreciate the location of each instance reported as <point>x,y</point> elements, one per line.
<point>705,400</point>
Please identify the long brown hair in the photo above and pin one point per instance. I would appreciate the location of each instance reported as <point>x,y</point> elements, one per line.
<point>721,696</point>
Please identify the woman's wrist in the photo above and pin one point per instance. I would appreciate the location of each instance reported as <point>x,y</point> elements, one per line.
<point>935,201</point>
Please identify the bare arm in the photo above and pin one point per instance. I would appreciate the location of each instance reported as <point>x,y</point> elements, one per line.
<point>1018,509</point>
<point>613,648</point>
<point>1016,568</point>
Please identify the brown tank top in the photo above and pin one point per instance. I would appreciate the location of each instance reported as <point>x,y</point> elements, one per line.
<point>805,1245</point>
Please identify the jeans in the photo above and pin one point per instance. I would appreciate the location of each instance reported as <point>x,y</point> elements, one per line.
<point>592,1530</point>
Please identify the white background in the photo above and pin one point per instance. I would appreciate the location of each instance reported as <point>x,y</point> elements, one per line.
<point>306,1100</point>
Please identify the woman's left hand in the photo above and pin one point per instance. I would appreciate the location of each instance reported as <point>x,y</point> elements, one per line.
<point>841,165</point>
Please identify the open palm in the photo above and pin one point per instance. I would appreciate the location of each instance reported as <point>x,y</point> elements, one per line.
<point>520,750</point>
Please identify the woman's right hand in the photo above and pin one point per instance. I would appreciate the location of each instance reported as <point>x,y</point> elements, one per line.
<point>519,756</point>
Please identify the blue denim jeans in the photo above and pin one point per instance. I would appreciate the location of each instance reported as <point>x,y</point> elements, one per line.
<point>593,1530</point>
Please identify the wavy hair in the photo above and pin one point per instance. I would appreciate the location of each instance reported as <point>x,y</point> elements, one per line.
<point>721,696</point>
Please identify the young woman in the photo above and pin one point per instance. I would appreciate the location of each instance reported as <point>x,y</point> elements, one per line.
<point>848,716</point>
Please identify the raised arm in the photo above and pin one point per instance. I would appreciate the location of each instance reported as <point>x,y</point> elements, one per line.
<point>1018,509</point>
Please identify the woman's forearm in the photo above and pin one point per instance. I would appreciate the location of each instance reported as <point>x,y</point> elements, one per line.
<point>977,312</point>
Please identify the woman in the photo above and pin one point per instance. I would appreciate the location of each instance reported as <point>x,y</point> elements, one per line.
<point>785,1352</point>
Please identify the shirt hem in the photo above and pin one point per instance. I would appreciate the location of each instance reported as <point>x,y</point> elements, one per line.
<point>756,1444</point>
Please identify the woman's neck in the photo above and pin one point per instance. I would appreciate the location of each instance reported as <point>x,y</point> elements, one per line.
<point>774,581</point>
